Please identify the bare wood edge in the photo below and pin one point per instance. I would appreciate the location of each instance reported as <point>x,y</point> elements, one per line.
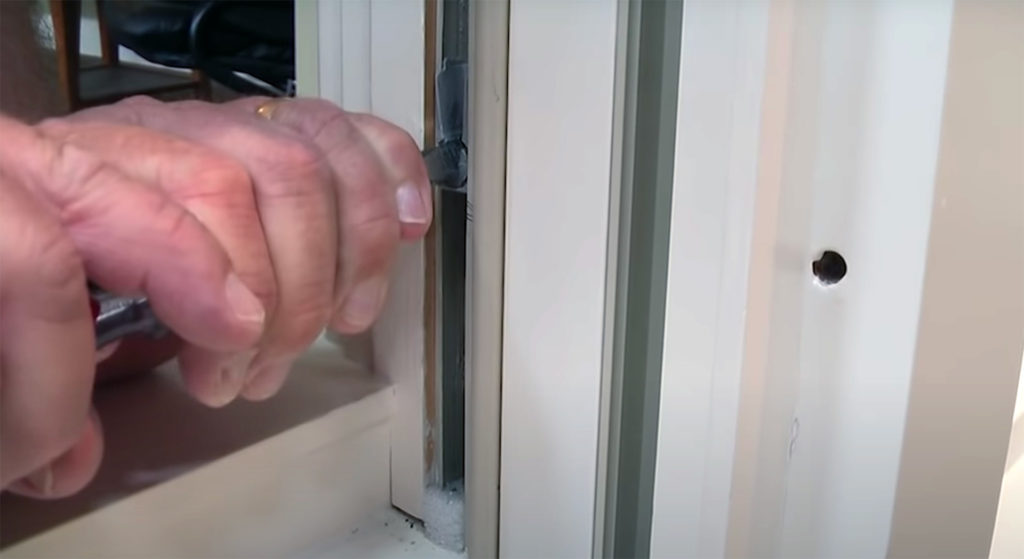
<point>430,287</point>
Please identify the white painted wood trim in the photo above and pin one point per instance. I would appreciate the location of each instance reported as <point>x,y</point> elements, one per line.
<point>485,271</point>
<point>560,112</point>
<point>862,163</point>
<point>722,71</point>
<point>856,171</point>
<point>322,471</point>
<point>371,59</point>
<point>397,69</point>
<point>1007,537</point>
<point>790,410</point>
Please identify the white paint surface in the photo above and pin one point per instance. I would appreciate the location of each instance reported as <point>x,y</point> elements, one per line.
<point>345,41</point>
<point>561,69</point>
<point>861,176</point>
<point>371,59</point>
<point>835,381</point>
<point>718,124</point>
<point>396,94</point>
<point>1008,537</point>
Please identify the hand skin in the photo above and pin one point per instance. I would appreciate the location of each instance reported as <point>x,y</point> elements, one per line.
<point>65,216</point>
<point>307,209</point>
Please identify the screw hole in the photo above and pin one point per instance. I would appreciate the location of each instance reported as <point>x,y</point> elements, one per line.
<point>830,268</point>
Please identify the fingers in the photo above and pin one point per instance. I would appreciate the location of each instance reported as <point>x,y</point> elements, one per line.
<point>295,197</point>
<point>71,471</point>
<point>354,184</point>
<point>384,195</point>
<point>46,357</point>
<point>402,158</point>
<point>135,239</point>
<point>367,210</point>
<point>218,191</point>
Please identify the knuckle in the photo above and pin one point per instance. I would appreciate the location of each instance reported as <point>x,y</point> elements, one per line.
<point>54,127</point>
<point>374,241</point>
<point>393,142</point>
<point>300,168</point>
<point>302,328</point>
<point>398,145</point>
<point>187,104</point>
<point>59,264</point>
<point>320,105</point>
<point>337,133</point>
<point>73,169</point>
<point>171,221</point>
<point>297,154</point>
<point>137,100</point>
<point>54,269</point>
<point>40,264</point>
<point>217,176</point>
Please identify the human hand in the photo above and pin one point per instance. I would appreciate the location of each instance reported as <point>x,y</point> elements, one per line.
<point>310,205</point>
<point>65,215</point>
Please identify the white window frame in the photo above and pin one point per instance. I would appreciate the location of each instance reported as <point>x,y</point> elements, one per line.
<point>561,106</point>
<point>347,39</point>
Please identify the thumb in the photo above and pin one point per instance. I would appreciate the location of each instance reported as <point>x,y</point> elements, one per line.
<point>133,238</point>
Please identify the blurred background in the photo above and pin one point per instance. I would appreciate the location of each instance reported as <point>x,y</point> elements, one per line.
<point>106,50</point>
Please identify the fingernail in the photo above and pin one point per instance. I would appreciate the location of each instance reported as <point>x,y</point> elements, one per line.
<point>265,380</point>
<point>41,480</point>
<point>411,208</point>
<point>104,353</point>
<point>232,377</point>
<point>363,304</point>
<point>243,302</point>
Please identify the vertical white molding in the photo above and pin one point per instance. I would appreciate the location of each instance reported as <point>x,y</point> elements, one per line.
<point>824,393</point>
<point>560,113</point>
<point>860,176</point>
<point>396,88</point>
<point>718,127</point>
<point>371,59</point>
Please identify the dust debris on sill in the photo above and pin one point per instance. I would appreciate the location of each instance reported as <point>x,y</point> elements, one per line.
<point>387,534</point>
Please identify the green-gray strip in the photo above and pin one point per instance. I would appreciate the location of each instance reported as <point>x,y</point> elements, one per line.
<point>652,85</point>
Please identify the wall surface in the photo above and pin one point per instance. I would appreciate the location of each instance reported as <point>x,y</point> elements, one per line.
<point>972,312</point>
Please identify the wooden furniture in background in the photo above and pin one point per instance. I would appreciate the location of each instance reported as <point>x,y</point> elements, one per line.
<point>88,80</point>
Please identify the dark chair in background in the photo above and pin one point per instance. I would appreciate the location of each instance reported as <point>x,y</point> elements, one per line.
<point>215,39</point>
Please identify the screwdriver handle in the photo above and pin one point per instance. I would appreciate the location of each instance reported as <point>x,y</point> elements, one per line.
<point>115,317</point>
